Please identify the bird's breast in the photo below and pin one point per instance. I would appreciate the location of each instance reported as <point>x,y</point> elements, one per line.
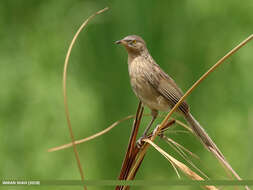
<point>142,87</point>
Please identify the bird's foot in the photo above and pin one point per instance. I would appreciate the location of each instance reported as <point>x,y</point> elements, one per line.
<point>140,141</point>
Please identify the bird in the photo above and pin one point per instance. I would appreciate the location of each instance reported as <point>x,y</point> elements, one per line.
<point>156,89</point>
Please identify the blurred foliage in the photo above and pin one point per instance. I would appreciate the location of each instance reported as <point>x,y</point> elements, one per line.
<point>184,37</point>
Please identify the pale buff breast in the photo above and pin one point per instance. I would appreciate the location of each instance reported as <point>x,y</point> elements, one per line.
<point>142,88</point>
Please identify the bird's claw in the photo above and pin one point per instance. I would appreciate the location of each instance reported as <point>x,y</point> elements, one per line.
<point>140,141</point>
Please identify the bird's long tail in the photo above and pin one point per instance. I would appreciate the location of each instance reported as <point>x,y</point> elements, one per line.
<point>202,134</point>
<point>209,144</point>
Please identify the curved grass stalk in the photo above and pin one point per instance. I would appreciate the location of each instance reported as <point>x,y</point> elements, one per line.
<point>92,136</point>
<point>64,88</point>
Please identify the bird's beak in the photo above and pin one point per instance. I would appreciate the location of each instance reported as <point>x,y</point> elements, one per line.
<point>118,42</point>
<point>123,42</point>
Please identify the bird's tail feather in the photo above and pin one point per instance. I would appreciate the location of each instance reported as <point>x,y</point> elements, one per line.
<point>201,133</point>
<point>210,145</point>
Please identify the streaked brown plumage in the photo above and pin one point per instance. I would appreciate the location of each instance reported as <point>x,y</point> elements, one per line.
<point>155,88</point>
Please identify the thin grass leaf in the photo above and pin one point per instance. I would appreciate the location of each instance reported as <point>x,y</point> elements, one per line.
<point>92,136</point>
<point>175,131</point>
<point>185,169</point>
<point>65,91</point>
<point>184,125</point>
<point>184,156</point>
<point>181,147</point>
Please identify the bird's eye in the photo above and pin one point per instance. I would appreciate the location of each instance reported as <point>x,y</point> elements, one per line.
<point>134,42</point>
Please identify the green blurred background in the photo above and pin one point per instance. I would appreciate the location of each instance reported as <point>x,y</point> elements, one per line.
<point>184,37</point>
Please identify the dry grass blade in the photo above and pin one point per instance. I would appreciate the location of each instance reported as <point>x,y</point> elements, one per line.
<point>174,167</point>
<point>176,131</point>
<point>184,125</point>
<point>164,122</point>
<point>132,149</point>
<point>185,169</point>
<point>64,88</point>
<point>92,136</point>
<point>133,158</point>
<point>179,150</point>
<point>180,147</point>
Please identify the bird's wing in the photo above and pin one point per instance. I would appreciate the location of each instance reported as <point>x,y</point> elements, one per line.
<point>166,86</point>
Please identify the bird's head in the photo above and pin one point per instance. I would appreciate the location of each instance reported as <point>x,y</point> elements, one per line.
<point>134,44</point>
